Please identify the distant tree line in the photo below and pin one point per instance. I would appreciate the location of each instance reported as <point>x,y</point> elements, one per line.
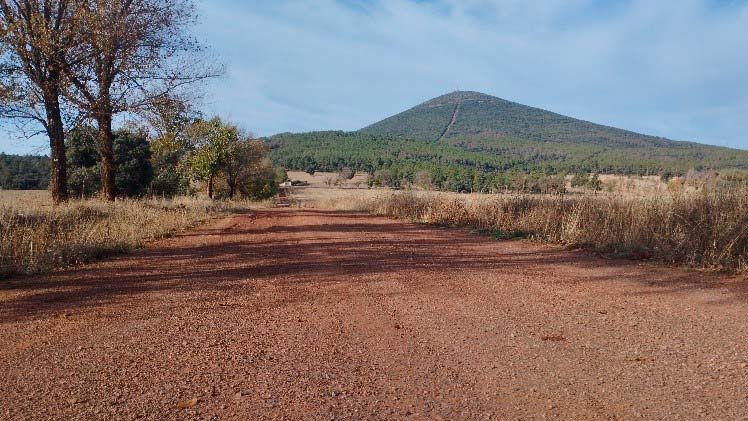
<point>459,165</point>
<point>24,172</point>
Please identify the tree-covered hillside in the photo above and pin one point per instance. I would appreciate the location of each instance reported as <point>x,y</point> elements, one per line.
<point>24,172</point>
<point>477,133</point>
<point>485,117</point>
<point>450,165</point>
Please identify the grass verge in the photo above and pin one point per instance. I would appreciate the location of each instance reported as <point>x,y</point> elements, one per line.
<point>36,237</point>
<point>706,229</point>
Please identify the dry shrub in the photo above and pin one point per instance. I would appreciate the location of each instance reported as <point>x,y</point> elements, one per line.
<point>707,229</point>
<point>35,237</point>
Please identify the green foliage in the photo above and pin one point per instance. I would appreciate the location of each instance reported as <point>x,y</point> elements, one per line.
<point>84,181</point>
<point>169,179</point>
<point>489,120</point>
<point>205,150</point>
<point>246,161</point>
<point>262,185</point>
<point>211,141</point>
<point>84,178</point>
<point>280,175</point>
<point>221,153</point>
<point>132,155</point>
<point>594,183</point>
<point>424,122</point>
<point>24,172</point>
<point>580,180</point>
<point>170,118</point>
<point>493,145</point>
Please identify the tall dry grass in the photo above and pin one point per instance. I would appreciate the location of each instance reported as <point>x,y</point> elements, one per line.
<point>36,237</point>
<point>708,229</point>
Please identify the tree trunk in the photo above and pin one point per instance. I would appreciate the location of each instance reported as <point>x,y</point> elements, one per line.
<point>58,180</point>
<point>232,188</point>
<point>210,187</point>
<point>106,150</point>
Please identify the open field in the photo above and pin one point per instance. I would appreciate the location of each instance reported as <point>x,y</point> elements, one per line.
<point>36,236</point>
<point>309,314</point>
<point>323,179</point>
<point>703,229</point>
<point>633,217</point>
<point>335,198</point>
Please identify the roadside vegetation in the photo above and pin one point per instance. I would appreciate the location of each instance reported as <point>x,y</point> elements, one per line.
<point>113,86</point>
<point>36,236</point>
<point>158,180</point>
<point>694,223</point>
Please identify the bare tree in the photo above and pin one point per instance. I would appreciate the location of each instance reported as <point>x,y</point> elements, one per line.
<point>140,53</point>
<point>38,38</point>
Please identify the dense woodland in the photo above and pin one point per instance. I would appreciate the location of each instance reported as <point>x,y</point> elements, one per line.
<point>516,165</point>
<point>204,153</point>
<point>24,172</point>
<point>467,141</point>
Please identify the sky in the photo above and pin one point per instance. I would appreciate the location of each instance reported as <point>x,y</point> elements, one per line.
<point>671,68</point>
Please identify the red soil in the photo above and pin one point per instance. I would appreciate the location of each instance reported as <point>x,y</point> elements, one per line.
<point>315,314</point>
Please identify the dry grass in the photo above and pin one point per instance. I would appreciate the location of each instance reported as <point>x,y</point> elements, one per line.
<point>36,236</point>
<point>708,229</point>
<point>335,198</point>
<point>320,179</point>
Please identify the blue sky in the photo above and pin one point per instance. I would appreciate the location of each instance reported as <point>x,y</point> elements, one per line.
<point>677,69</point>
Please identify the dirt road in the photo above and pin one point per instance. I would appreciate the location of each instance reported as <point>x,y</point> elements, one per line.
<point>304,314</point>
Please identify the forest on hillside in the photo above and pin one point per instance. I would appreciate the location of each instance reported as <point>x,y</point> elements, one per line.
<point>23,172</point>
<point>472,165</point>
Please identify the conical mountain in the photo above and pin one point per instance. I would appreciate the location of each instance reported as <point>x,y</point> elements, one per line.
<point>460,134</point>
<point>471,115</point>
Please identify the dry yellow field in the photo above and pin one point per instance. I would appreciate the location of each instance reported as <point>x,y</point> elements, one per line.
<point>325,179</point>
<point>640,217</point>
<point>26,199</point>
<point>706,230</point>
<point>36,236</point>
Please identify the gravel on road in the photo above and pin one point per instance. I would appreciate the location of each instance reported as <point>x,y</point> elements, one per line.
<point>310,314</point>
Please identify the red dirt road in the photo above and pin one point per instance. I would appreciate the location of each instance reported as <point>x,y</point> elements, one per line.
<point>305,314</point>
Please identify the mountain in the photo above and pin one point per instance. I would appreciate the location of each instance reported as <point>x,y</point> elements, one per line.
<point>473,115</point>
<point>468,136</point>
